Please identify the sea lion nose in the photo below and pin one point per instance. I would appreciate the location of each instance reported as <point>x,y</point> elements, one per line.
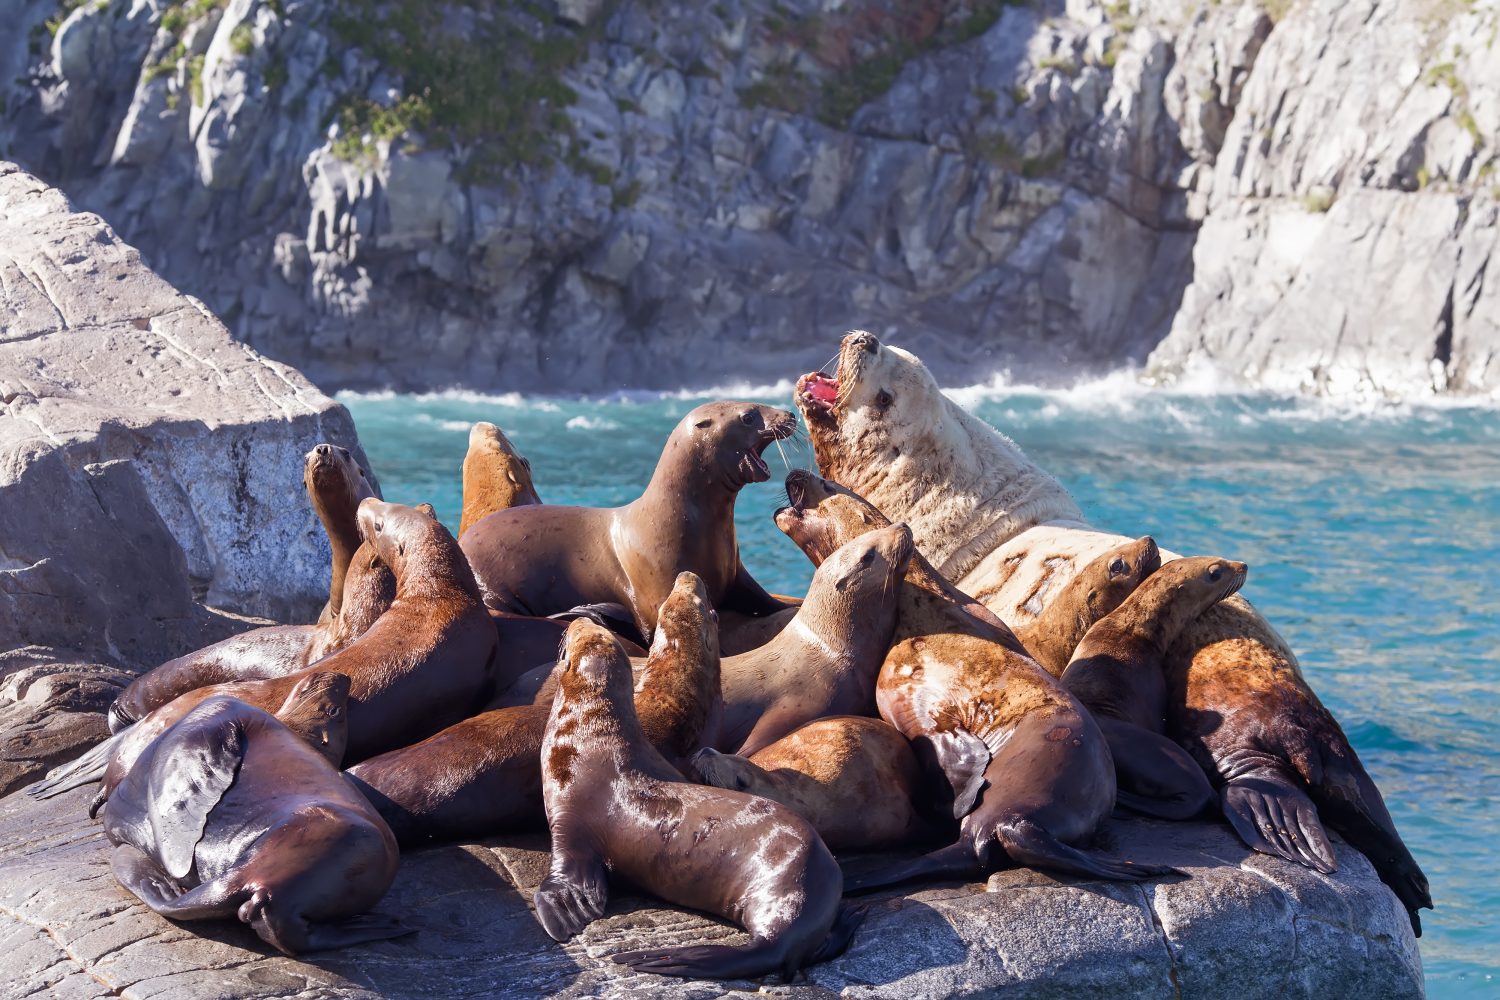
<point>865,341</point>
<point>324,450</point>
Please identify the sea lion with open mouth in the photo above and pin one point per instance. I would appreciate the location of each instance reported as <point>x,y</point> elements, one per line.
<point>1030,773</point>
<point>993,522</point>
<point>546,559</point>
<point>617,809</point>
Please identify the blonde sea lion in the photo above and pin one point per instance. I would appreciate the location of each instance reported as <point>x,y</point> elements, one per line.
<point>993,522</point>
<point>496,476</point>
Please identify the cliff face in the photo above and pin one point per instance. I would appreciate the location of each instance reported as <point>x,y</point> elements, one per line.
<point>587,194</point>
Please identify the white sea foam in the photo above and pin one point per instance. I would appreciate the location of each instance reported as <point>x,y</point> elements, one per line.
<point>582,423</point>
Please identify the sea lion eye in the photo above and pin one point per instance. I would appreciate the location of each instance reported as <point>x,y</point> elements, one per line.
<point>1118,568</point>
<point>345,452</point>
<point>1215,572</point>
<point>747,418</point>
<point>333,711</point>
<point>883,400</point>
<point>867,558</point>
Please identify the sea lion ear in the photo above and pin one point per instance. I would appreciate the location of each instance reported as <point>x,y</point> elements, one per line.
<point>705,422</point>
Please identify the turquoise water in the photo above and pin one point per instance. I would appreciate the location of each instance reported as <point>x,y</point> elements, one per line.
<point>1373,537</point>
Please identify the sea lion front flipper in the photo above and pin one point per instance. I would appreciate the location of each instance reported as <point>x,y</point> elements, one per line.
<point>1274,816</point>
<point>151,884</point>
<point>962,758</point>
<point>953,860</point>
<point>749,598</point>
<point>1155,776</point>
<point>1027,843</point>
<point>188,783</point>
<point>573,895</point>
<point>616,617</point>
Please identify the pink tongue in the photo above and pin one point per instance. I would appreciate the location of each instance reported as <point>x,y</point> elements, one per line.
<point>825,390</point>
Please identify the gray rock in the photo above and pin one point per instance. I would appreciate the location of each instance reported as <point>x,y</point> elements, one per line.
<point>1242,925</point>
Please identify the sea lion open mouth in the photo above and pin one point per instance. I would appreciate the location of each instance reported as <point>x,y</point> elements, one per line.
<point>752,464</point>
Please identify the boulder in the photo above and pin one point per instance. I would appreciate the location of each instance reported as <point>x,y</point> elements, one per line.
<point>1242,925</point>
<point>151,494</point>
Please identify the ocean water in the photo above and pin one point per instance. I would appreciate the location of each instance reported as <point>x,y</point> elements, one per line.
<point>1372,532</point>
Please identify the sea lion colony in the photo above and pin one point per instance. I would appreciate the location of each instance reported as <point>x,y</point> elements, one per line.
<point>486,684</point>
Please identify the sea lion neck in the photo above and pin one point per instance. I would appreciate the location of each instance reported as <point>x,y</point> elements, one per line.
<point>434,566</point>
<point>679,484</point>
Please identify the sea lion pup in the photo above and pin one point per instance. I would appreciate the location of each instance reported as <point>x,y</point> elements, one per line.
<point>427,662</point>
<point>1117,674</point>
<point>1029,770</point>
<point>231,812</point>
<point>335,485</point>
<point>615,805</point>
<point>482,776</point>
<point>496,476</point>
<point>1052,636</point>
<point>1005,531</point>
<point>545,559</point>
<point>853,778</point>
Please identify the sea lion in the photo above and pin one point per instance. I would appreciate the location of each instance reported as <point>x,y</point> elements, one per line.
<point>545,559</point>
<point>1116,672</point>
<point>482,776</point>
<point>853,778</point>
<point>427,662</point>
<point>614,805</point>
<point>335,484</point>
<point>1052,636</point>
<point>230,812</point>
<point>496,476</point>
<point>995,523</point>
<point>1030,772</point>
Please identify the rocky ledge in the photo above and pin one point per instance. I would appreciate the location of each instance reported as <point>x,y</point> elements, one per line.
<point>145,463</point>
<point>150,472</point>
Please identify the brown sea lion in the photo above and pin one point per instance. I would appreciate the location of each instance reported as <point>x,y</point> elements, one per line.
<point>427,662</point>
<point>995,523</point>
<point>335,484</point>
<point>1097,590</point>
<point>614,805</point>
<point>1030,772</point>
<point>853,778</point>
<point>231,812</point>
<point>496,476</point>
<point>1117,674</point>
<point>482,776</point>
<point>546,559</point>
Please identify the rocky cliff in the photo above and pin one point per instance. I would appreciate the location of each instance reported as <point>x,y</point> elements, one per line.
<point>150,477</point>
<point>589,193</point>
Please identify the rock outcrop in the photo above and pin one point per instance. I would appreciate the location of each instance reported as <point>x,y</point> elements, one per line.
<point>1243,925</point>
<point>150,477</point>
<point>584,194</point>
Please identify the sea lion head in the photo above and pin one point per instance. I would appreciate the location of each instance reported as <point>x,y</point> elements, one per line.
<point>686,615</point>
<point>863,572</point>
<point>317,710</point>
<point>1183,589</point>
<point>486,437</point>
<point>333,478</point>
<point>1115,575</point>
<point>881,404</point>
<point>727,770</point>
<point>820,515</point>
<point>729,438</point>
<point>405,536</point>
<point>593,666</point>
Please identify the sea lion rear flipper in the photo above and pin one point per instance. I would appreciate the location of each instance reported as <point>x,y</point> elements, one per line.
<point>962,758</point>
<point>616,617</point>
<point>569,900</point>
<point>1025,842</point>
<point>953,860</point>
<point>1155,776</point>
<point>1355,809</point>
<point>850,916</point>
<point>82,770</point>
<point>188,783</point>
<point>150,883</point>
<point>1272,815</point>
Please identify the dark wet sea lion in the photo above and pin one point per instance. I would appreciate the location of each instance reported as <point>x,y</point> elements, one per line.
<point>1117,673</point>
<point>615,807</point>
<point>496,476</point>
<point>482,776</point>
<point>997,524</point>
<point>426,663</point>
<point>231,812</point>
<point>335,485</point>
<point>1030,772</point>
<point>546,559</point>
<point>853,778</point>
<point>1052,636</point>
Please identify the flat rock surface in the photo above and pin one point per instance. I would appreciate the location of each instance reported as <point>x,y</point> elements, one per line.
<point>1242,925</point>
